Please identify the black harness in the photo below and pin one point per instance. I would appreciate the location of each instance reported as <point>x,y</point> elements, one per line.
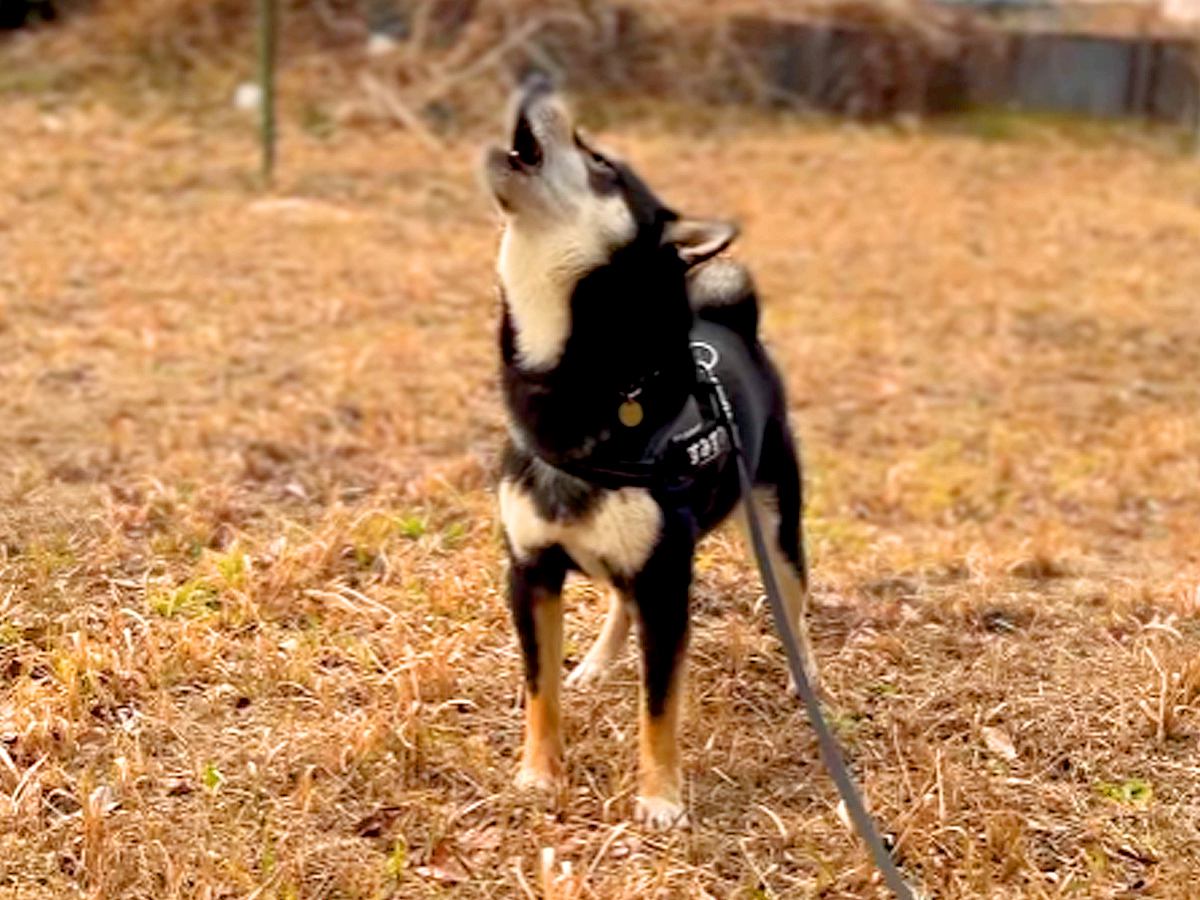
<point>691,450</point>
<point>692,445</point>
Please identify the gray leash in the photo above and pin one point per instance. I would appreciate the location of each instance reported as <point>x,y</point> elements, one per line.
<point>831,751</point>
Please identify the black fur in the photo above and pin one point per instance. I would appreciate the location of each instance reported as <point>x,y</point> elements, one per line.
<point>543,574</point>
<point>556,495</point>
<point>660,592</point>
<point>780,468</point>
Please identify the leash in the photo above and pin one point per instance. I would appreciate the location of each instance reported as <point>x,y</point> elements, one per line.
<point>831,751</point>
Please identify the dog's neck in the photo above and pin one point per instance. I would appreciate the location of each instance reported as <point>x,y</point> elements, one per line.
<point>536,276</point>
<point>618,337</point>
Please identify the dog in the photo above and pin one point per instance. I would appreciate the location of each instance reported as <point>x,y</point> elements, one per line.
<point>612,466</point>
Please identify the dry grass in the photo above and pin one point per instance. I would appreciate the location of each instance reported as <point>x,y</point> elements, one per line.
<point>252,636</point>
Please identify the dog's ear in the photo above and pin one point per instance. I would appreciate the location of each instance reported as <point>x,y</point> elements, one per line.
<point>696,240</point>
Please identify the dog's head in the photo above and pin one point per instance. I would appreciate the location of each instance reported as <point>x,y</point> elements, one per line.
<point>570,209</point>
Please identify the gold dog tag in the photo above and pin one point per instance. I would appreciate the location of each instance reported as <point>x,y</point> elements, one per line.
<point>630,413</point>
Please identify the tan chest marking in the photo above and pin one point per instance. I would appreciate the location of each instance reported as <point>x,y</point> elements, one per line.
<point>615,538</point>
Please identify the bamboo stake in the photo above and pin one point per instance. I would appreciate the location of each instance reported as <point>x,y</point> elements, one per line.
<point>267,41</point>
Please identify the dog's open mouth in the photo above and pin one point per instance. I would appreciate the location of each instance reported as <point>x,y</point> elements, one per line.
<point>526,152</point>
<point>519,171</point>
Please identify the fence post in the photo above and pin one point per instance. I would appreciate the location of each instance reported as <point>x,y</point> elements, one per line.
<point>1196,89</point>
<point>267,39</point>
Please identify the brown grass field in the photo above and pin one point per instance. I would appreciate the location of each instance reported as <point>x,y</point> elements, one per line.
<point>253,640</point>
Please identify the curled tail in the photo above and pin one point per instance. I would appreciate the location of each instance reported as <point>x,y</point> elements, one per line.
<point>722,291</point>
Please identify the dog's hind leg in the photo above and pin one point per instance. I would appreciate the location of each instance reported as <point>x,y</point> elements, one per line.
<point>661,595</point>
<point>535,588</point>
<point>778,501</point>
<point>593,667</point>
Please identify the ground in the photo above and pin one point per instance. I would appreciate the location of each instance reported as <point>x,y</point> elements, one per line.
<point>253,641</point>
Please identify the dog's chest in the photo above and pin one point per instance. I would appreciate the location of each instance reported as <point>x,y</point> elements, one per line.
<point>614,537</point>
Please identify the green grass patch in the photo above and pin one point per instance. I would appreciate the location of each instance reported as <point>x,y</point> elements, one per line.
<point>453,535</point>
<point>10,635</point>
<point>1130,792</point>
<point>192,599</point>
<point>232,567</point>
<point>837,535</point>
<point>36,81</point>
<point>397,860</point>
<point>211,777</point>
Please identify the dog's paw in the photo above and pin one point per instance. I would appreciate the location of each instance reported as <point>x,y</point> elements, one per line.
<point>590,672</point>
<point>541,779</point>
<point>660,814</point>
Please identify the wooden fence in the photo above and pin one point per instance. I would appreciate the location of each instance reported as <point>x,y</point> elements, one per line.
<point>867,72</point>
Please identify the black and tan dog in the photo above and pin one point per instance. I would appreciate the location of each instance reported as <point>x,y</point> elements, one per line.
<point>613,466</point>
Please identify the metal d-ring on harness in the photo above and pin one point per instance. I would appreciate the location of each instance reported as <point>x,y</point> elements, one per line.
<point>707,357</point>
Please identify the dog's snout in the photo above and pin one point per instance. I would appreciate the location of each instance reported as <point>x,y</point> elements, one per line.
<point>540,118</point>
<point>534,85</point>
<point>535,170</point>
<point>536,100</point>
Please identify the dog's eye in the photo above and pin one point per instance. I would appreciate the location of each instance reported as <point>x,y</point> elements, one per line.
<point>600,164</point>
<point>592,156</point>
<point>603,176</point>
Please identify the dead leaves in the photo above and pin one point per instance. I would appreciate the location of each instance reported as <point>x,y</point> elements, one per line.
<point>446,864</point>
<point>998,742</point>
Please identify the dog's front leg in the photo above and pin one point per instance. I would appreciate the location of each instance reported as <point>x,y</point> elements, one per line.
<point>535,588</point>
<point>661,594</point>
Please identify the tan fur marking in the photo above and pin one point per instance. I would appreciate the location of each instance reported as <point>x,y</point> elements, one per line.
<point>660,794</point>
<point>541,755</point>
<point>616,537</point>
<point>717,283</point>
<point>795,592</point>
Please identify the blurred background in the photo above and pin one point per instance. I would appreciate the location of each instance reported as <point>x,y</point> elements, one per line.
<point>253,634</point>
<point>435,63</point>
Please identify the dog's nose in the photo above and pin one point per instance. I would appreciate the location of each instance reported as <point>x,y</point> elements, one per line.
<point>535,84</point>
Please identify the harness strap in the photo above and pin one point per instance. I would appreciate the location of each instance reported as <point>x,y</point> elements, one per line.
<point>694,442</point>
<point>831,751</point>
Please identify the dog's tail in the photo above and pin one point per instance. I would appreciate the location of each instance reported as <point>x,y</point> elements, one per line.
<point>721,291</point>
